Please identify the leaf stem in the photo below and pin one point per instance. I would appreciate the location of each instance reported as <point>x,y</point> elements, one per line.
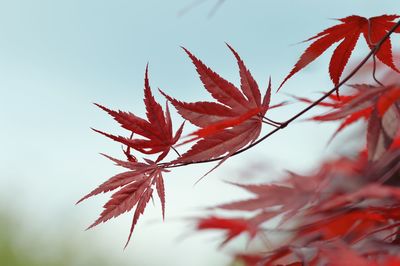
<point>269,122</point>
<point>374,72</point>
<point>176,151</point>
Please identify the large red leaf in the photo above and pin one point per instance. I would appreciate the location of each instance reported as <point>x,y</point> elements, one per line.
<point>348,32</point>
<point>228,124</point>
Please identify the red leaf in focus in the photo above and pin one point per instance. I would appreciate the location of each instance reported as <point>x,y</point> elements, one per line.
<point>228,124</point>
<point>137,176</point>
<point>135,189</point>
<point>348,32</point>
<point>157,131</point>
<point>219,126</point>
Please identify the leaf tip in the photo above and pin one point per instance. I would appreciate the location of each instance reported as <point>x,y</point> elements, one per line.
<point>91,226</point>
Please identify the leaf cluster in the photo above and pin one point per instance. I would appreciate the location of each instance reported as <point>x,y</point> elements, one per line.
<point>349,206</point>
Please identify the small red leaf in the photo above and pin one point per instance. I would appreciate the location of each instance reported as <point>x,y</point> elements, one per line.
<point>157,131</point>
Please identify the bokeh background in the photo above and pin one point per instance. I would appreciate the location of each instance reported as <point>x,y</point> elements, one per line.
<point>58,57</point>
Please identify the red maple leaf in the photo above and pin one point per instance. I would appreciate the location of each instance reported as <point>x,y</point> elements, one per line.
<point>373,29</point>
<point>157,130</point>
<point>228,124</point>
<point>331,203</point>
<point>135,189</point>
<point>294,193</point>
<point>379,106</point>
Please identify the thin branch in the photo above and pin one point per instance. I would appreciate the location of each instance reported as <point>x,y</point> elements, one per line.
<point>374,72</point>
<point>373,51</point>
<point>269,123</point>
<point>176,151</point>
<point>273,121</point>
<point>374,56</point>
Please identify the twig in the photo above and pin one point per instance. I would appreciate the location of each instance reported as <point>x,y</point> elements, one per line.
<point>374,56</point>
<point>175,150</point>
<point>374,72</point>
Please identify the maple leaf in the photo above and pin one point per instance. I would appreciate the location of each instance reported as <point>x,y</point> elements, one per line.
<point>228,124</point>
<point>295,193</point>
<point>348,32</point>
<point>136,175</point>
<point>332,203</point>
<point>379,106</point>
<point>135,189</point>
<point>157,131</point>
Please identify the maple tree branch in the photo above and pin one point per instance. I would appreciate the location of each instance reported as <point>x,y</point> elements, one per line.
<point>282,125</point>
<point>374,72</point>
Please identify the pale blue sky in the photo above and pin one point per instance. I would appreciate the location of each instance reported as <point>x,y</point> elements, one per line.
<point>57,57</point>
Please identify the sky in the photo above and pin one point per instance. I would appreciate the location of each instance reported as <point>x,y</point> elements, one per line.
<point>59,57</point>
